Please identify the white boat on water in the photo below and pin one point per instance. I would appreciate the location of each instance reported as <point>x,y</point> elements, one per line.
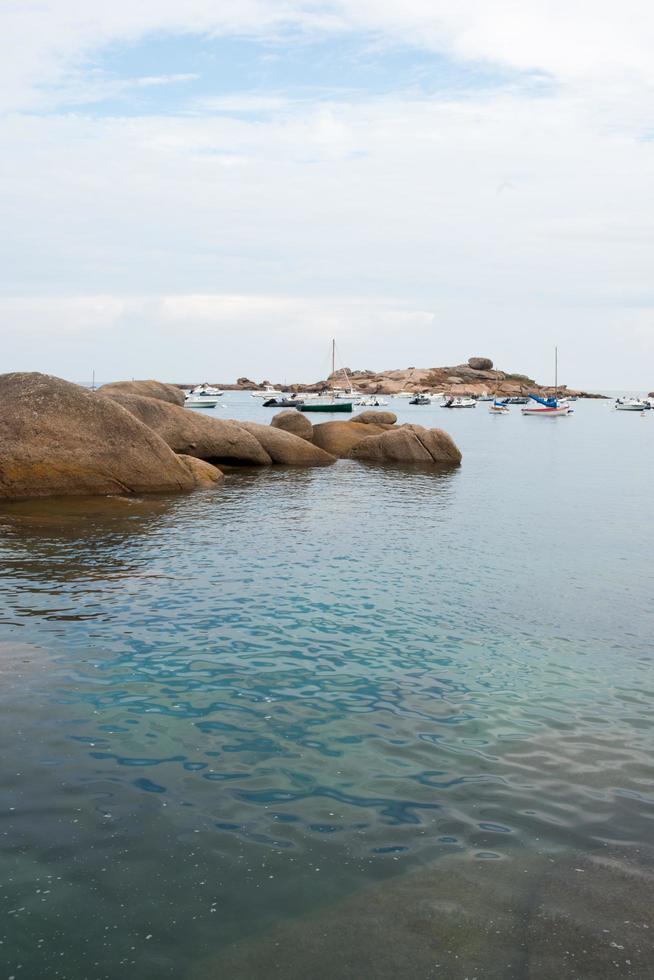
<point>268,391</point>
<point>632,405</point>
<point>552,406</point>
<point>546,407</point>
<point>203,396</point>
<point>459,402</point>
<point>370,401</point>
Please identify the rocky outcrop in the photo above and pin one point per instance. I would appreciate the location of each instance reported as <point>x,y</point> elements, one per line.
<point>216,440</point>
<point>376,418</point>
<point>204,474</point>
<point>148,389</point>
<point>409,444</point>
<point>480,363</point>
<point>287,448</point>
<point>338,438</point>
<point>295,422</point>
<point>58,439</point>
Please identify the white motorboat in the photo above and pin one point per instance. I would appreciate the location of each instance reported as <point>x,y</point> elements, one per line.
<point>200,401</point>
<point>205,389</point>
<point>632,405</point>
<point>268,391</point>
<point>370,401</point>
<point>459,402</point>
<point>202,396</point>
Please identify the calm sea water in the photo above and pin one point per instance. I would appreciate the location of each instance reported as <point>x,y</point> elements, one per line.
<point>353,721</point>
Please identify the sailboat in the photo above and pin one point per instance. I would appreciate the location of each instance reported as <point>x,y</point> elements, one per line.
<point>330,404</point>
<point>551,406</point>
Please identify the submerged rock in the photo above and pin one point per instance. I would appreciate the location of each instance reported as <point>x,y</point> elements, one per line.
<point>204,474</point>
<point>409,444</point>
<point>338,438</point>
<point>573,917</point>
<point>149,389</point>
<point>295,422</point>
<point>287,448</point>
<point>193,434</point>
<point>57,438</point>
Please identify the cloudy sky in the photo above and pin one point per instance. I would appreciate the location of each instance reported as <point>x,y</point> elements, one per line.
<point>210,188</point>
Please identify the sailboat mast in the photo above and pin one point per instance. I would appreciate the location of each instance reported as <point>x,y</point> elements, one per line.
<point>333,355</point>
<point>556,370</point>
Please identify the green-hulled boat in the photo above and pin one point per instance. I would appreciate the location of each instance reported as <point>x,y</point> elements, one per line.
<point>326,407</point>
<point>330,405</point>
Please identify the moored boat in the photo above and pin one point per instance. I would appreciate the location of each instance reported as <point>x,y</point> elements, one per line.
<point>547,407</point>
<point>268,391</point>
<point>370,401</point>
<point>551,406</point>
<point>330,406</point>
<point>291,402</point>
<point>632,405</point>
<point>202,396</point>
<point>452,402</point>
<point>420,400</point>
<point>499,408</point>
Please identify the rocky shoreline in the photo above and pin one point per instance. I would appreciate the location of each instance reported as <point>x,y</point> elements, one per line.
<point>476,377</point>
<point>133,437</point>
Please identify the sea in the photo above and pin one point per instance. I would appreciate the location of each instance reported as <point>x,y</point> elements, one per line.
<point>356,721</point>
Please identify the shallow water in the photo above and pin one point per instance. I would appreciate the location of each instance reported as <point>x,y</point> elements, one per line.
<point>227,716</point>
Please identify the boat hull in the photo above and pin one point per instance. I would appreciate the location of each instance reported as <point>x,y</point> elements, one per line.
<point>283,403</point>
<point>332,407</point>
<point>547,412</point>
<point>201,402</point>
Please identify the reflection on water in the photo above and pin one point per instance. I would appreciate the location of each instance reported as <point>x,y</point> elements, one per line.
<point>225,714</point>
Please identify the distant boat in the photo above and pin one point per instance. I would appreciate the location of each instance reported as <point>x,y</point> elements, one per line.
<point>335,406</point>
<point>499,408</point>
<point>551,406</point>
<point>452,402</point>
<point>202,396</point>
<point>420,400</point>
<point>632,405</point>
<point>291,402</point>
<point>268,391</point>
<point>370,401</point>
<point>333,403</point>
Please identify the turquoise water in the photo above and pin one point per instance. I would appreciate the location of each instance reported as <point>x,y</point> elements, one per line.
<point>231,721</point>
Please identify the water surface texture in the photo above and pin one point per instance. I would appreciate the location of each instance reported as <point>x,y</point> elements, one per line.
<point>344,722</point>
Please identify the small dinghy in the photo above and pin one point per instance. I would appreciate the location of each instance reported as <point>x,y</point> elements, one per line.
<point>420,400</point>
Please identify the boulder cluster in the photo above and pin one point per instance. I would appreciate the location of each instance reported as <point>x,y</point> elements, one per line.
<point>59,439</point>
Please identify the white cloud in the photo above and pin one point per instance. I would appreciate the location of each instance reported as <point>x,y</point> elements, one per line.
<point>417,230</point>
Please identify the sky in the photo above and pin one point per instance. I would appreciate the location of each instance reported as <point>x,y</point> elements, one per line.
<point>205,190</point>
